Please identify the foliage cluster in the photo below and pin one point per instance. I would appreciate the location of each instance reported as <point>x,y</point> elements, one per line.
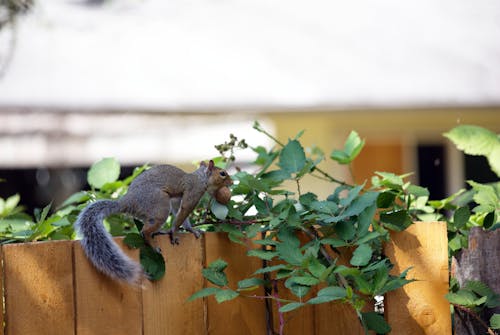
<point>331,246</point>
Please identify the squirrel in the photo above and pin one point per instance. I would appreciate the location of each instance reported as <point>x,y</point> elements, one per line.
<point>151,197</point>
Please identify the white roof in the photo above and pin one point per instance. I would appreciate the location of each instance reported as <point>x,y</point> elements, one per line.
<point>173,54</point>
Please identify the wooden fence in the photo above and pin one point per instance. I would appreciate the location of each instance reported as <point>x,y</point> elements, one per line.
<point>50,288</point>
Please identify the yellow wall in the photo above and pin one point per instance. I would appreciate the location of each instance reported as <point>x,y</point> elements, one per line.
<point>391,136</point>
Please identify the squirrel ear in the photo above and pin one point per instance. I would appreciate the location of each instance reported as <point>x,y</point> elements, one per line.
<point>211,165</point>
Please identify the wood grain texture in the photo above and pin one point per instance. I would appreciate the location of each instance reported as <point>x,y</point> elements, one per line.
<point>39,288</point>
<point>2,292</point>
<point>165,309</point>
<point>420,307</point>
<point>104,306</point>
<point>242,315</point>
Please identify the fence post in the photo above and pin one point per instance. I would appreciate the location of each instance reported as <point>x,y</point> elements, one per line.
<point>420,308</point>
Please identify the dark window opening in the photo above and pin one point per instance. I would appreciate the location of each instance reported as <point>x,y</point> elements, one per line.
<point>39,187</point>
<point>478,169</point>
<point>431,169</point>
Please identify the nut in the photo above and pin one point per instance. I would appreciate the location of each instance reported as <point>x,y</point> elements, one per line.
<point>223,195</point>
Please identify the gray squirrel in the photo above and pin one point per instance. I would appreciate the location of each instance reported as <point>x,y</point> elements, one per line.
<point>151,197</point>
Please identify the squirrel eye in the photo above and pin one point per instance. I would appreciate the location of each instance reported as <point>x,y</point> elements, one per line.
<point>223,173</point>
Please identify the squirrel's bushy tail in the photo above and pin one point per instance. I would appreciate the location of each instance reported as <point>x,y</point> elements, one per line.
<point>99,246</point>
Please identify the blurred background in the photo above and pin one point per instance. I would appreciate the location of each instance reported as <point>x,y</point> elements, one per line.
<point>163,81</point>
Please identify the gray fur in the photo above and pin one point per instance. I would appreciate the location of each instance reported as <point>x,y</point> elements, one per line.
<point>99,246</point>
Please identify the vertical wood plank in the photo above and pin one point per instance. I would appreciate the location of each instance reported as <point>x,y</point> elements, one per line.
<point>296,322</point>
<point>241,315</point>
<point>165,308</point>
<point>337,318</point>
<point>104,306</point>
<point>39,288</point>
<point>2,291</point>
<point>420,307</point>
<point>334,317</point>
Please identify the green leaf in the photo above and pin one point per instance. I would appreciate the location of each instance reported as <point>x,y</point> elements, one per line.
<point>290,253</point>
<point>134,240</point>
<point>271,269</point>
<point>362,255</point>
<point>345,230</point>
<point>290,307</point>
<point>250,283</point>
<point>214,273</point>
<point>375,322</point>
<point>396,220</point>
<point>262,254</point>
<point>327,294</point>
<point>296,288</point>
<point>352,148</point>
<point>316,268</point>
<point>473,140</point>
<point>418,191</point>
<point>305,280</point>
<point>385,199</point>
<point>495,321</point>
<point>204,293</point>
<point>102,172</point>
<point>485,196</point>
<point>225,295</point>
<point>494,160</point>
<point>461,217</point>
<point>218,265</point>
<point>219,210</point>
<point>462,297</point>
<point>292,157</point>
<point>152,262</point>
<point>334,242</point>
<point>11,203</point>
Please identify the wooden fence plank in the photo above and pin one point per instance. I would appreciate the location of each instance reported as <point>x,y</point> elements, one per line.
<point>165,309</point>
<point>420,307</point>
<point>296,322</point>
<point>242,315</point>
<point>39,288</point>
<point>104,306</point>
<point>334,317</point>
<point>2,292</point>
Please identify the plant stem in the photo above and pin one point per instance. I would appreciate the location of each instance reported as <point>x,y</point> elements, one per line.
<point>475,316</point>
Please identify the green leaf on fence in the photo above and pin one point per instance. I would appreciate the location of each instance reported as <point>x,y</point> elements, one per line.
<point>262,254</point>
<point>375,322</point>
<point>134,240</point>
<point>305,280</point>
<point>462,297</point>
<point>327,294</point>
<point>152,262</point>
<point>386,199</point>
<point>271,269</point>
<point>290,307</point>
<point>225,295</point>
<point>204,293</point>
<point>362,255</point>
<point>105,171</point>
<point>461,217</point>
<point>214,273</point>
<point>396,220</point>
<point>249,284</point>
<point>219,210</point>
